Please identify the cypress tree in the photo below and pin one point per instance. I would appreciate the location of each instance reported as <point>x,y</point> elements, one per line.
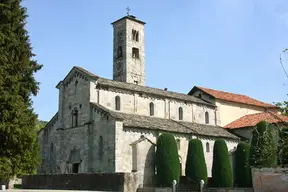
<point>221,167</point>
<point>167,160</point>
<point>263,152</point>
<point>196,169</point>
<point>18,137</point>
<point>242,168</point>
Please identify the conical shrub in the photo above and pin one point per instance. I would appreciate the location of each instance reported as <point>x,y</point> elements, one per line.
<point>221,167</point>
<point>167,160</point>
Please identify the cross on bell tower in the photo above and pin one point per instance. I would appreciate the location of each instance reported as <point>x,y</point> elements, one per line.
<point>128,10</point>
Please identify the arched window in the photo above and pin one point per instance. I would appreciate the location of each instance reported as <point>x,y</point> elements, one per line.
<point>51,147</point>
<point>117,103</point>
<point>180,113</point>
<point>206,117</point>
<point>151,106</point>
<point>119,52</point>
<point>207,147</point>
<point>100,150</point>
<point>76,83</point>
<point>75,117</point>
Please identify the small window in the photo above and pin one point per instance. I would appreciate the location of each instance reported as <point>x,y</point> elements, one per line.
<point>207,147</point>
<point>75,118</point>
<point>52,148</point>
<point>117,103</point>
<point>100,149</point>
<point>151,106</point>
<point>178,144</point>
<point>119,52</point>
<point>180,113</point>
<point>135,53</point>
<point>76,83</point>
<point>135,35</point>
<point>200,95</point>
<point>206,117</point>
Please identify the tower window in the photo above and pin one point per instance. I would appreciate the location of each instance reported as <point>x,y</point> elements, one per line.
<point>135,52</point>
<point>135,35</point>
<point>117,103</point>
<point>119,52</point>
<point>180,113</point>
<point>206,117</point>
<point>151,106</point>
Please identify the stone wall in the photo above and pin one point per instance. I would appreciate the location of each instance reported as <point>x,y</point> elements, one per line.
<point>101,182</point>
<point>122,182</point>
<point>124,150</point>
<point>270,179</point>
<point>135,103</point>
<point>59,144</point>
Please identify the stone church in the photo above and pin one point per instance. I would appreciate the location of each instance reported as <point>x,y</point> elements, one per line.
<point>112,126</point>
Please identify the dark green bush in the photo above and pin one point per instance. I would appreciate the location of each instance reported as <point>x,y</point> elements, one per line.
<point>242,168</point>
<point>263,152</point>
<point>221,167</point>
<point>196,169</point>
<point>283,148</point>
<point>167,160</point>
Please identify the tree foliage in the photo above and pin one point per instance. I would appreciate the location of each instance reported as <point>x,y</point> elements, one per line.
<point>40,124</point>
<point>167,160</point>
<point>196,169</point>
<point>242,168</point>
<point>221,167</point>
<point>263,152</point>
<point>283,107</point>
<point>19,148</point>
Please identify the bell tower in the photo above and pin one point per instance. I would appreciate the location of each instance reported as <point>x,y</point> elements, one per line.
<point>129,50</point>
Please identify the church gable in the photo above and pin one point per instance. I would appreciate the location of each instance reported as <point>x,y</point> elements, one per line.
<point>77,72</point>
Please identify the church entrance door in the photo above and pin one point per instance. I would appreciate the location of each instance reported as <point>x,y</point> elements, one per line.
<point>75,167</point>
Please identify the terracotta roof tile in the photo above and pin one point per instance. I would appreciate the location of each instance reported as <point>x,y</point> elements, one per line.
<point>253,119</point>
<point>236,98</point>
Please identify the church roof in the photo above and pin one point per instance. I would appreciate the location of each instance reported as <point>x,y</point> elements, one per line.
<point>253,119</point>
<point>150,90</point>
<point>130,17</point>
<point>161,124</point>
<point>232,97</point>
<point>103,82</point>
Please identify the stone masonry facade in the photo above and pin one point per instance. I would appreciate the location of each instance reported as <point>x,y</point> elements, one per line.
<point>108,126</point>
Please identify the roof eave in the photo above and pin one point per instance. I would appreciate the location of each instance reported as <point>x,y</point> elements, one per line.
<point>105,85</point>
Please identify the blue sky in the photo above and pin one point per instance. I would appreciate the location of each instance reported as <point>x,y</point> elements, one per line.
<point>230,45</point>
